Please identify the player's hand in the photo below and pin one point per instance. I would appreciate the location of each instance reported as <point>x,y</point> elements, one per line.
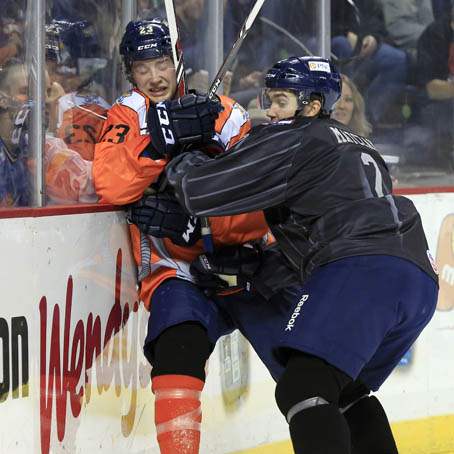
<point>240,261</point>
<point>210,283</point>
<point>352,38</point>
<point>252,80</point>
<point>369,46</point>
<point>199,81</point>
<point>189,120</point>
<point>161,216</point>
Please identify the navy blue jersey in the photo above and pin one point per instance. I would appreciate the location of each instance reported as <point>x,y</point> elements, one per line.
<point>326,192</point>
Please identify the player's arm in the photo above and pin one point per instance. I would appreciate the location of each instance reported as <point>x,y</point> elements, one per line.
<point>252,176</point>
<point>124,164</point>
<point>158,215</point>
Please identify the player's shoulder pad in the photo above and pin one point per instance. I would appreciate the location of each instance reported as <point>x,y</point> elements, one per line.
<point>233,122</point>
<point>226,101</point>
<point>230,104</point>
<point>134,100</point>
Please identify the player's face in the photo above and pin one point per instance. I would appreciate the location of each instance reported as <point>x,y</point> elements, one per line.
<point>155,78</point>
<point>343,109</point>
<point>284,104</point>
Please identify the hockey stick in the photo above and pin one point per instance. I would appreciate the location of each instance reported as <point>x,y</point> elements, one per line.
<point>207,237</point>
<point>235,47</point>
<point>171,18</point>
<point>205,223</point>
<point>176,47</point>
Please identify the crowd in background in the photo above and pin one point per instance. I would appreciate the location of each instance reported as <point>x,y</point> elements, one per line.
<point>397,60</point>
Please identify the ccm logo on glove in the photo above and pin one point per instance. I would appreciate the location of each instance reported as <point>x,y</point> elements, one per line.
<point>164,121</point>
<point>183,122</point>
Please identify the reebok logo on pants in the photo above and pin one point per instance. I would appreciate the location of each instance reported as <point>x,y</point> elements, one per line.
<point>296,312</point>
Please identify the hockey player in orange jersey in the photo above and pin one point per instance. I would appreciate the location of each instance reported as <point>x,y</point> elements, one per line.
<point>129,160</point>
<point>75,110</point>
<point>73,58</point>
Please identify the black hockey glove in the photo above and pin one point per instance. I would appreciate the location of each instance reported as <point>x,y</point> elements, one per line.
<point>161,216</point>
<point>187,120</point>
<point>212,271</point>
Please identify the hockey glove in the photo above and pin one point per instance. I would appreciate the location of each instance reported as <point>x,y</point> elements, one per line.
<point>161,216</point>
<point>187,120</point>
<point>213,270</point>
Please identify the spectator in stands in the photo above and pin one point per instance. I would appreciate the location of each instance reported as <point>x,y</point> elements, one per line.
<point>350,108</point>
<point>405,20</point>
<point>67,176</point>
<point>192,28</point>
<point>266,43</point>
<point>147,9</point>
<point>14,177</point>
<point>435,62</point>
<point>359,42</point>
<point>441,7</point>
<point>379,70</point>
<point>258,50</point>
<point>10,40</point>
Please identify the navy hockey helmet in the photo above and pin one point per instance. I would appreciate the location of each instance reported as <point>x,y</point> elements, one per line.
<point>144,39</point>
<point>308,77</point>
<point>71,45</point>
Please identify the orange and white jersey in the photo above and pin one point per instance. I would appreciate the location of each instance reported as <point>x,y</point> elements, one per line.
<point>79,122</point>
<point>233,123</point>
<point>124,166</point>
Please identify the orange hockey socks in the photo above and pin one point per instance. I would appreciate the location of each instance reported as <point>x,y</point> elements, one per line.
<point>178,413</point>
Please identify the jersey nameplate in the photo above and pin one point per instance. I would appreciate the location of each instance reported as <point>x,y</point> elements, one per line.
<point>348,137</point>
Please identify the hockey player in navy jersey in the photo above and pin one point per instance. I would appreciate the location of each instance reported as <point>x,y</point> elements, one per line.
<point>368,287</point>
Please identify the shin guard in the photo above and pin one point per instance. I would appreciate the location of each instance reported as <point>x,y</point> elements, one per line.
<point>369,427</point>
<point>178,413</point>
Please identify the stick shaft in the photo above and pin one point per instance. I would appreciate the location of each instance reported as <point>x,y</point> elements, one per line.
<point>176,49</point>
<point>235,47</point>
